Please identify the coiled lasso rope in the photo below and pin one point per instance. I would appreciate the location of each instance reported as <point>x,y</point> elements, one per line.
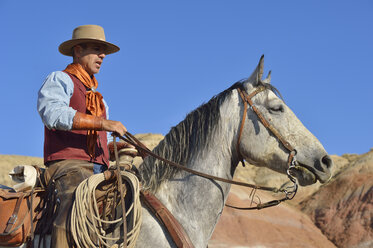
<point>85,217</point>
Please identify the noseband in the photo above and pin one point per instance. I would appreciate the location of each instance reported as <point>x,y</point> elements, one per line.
<point>247,99</point>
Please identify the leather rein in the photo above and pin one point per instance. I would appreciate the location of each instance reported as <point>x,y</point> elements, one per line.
<point>288,191</point>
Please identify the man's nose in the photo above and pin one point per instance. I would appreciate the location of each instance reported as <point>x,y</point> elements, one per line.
<point>102,55</point>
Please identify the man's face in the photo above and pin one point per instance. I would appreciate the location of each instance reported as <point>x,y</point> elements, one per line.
<point>90,56</point>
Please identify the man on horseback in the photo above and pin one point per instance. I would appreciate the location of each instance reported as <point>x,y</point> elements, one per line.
<point>76,121</point>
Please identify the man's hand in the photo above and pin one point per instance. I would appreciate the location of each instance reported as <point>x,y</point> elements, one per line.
<point>114,126</point>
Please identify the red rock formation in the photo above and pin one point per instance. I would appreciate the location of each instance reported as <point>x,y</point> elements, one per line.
<point>343,209</point>
<point>280,226</point>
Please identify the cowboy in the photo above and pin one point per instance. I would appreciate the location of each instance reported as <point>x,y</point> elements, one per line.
<point>76,121</point>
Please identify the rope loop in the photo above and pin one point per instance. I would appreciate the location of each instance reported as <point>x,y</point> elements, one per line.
<point>86,221</point>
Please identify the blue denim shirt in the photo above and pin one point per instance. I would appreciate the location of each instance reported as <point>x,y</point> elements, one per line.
<point>54,100</point>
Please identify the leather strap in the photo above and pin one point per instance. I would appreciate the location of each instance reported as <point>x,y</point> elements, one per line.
<point>247,98</point>
<point>181,167</point>
<point>177,232</point>
<point>241,129</point>
<point>120,185</point>
<point>123,148</point>
<point>13,218</point>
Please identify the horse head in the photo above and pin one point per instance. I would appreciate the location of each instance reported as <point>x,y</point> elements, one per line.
<point>260,146</point>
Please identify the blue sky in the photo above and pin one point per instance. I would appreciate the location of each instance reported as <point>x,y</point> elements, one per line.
<point>176,55</point>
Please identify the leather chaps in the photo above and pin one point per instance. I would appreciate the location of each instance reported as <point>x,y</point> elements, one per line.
<point>62,178</point>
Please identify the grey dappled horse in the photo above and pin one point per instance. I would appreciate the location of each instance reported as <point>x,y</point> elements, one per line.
<point>206,141</point>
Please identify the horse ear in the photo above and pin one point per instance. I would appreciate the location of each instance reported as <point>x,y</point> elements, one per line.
<point>257,75</point>
<point>267,80</point>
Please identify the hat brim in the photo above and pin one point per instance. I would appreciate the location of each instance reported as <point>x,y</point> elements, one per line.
<point>66,47</point>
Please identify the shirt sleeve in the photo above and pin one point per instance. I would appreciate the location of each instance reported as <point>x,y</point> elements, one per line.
<point>109,137</point>
<point>54,100</point>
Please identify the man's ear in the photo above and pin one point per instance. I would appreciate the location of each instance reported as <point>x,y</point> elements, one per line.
<point>77,51</point>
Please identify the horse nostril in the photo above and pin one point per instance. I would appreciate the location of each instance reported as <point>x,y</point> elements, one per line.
<point>327,161</point>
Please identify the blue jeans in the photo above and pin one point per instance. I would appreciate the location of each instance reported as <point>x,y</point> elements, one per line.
<point>99,168</point>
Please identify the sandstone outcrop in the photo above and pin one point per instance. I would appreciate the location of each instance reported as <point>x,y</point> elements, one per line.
<point>276,227</point>
<point>343,209</point>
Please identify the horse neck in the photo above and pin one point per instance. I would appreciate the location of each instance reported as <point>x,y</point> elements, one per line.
<point>198,202</point>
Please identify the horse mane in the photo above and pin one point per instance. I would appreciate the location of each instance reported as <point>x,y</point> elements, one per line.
<point>186,139</point>
<point>183,141</point>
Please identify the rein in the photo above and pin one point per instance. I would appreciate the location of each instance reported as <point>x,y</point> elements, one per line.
<point>288,191</point>
<point>133,141</point>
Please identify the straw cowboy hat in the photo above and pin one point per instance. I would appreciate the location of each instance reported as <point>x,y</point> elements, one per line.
<point>84,34</point>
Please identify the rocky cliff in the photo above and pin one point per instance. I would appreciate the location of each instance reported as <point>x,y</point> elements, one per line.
<point>343,209</point>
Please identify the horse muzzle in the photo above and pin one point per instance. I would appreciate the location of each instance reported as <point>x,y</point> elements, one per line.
<point>307,175</point>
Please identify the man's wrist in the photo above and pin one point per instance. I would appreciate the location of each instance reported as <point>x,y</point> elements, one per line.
<point>87,122</point>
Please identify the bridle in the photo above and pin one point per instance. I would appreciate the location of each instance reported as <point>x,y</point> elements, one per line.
<point>288,191</point>
<point>247,99</point>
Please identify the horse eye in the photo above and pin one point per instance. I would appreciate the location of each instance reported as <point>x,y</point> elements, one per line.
<point>276,109</point>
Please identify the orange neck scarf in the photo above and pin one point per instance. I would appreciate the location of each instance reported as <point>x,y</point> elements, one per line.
<point>93,99</point>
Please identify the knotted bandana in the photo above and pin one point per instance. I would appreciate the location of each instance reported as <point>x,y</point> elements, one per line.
<point>93,99</point>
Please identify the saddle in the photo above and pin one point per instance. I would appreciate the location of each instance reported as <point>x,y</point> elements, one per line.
<point>20,212</point>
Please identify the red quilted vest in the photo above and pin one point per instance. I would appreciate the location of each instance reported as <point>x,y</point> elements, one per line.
<point>72,144</point>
